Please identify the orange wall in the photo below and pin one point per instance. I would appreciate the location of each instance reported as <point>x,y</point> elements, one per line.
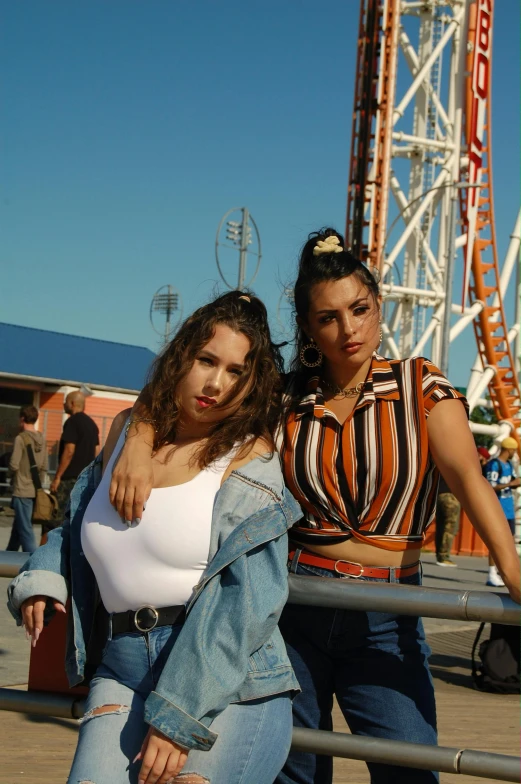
<point>50,420</point>
<point>467,542</point>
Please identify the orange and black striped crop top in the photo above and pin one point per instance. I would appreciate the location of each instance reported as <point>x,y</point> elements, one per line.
<point>372,478</point>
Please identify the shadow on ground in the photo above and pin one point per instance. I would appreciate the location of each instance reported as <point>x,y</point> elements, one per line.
<point>68,724</point>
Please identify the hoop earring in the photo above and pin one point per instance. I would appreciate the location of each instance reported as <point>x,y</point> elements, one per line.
<point>313,362</point>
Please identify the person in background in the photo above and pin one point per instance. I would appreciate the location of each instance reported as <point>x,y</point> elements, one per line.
<point>448,510</point>
<point>500,473</point>
<point>24,492</point>
<point>79,445</point>
<point>484,457</point>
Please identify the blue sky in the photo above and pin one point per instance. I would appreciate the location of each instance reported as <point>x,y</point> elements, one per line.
<point>130,127</point>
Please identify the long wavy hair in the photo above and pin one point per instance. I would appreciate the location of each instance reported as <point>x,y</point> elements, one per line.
<point>258,414</point>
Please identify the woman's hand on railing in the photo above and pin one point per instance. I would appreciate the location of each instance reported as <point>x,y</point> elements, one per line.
<point>32,615</point>
<point>162,758</point>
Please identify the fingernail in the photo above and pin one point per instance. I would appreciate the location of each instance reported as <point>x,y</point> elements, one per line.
<point>136,757</point>
<point>129,523</point>
<point>37,634</point>
<point>27,635</point>
<point>137,520</point>
<point>144,506</point>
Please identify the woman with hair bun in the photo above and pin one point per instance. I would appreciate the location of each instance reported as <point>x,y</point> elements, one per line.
<point>179,605</point>
<point>363,441</point>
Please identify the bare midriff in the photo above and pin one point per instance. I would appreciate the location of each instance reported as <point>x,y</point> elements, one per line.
<point>366,554</point>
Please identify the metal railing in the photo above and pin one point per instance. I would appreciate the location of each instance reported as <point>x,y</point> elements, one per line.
<point>456,605</point>
<point>481,606</point>
<point>351,595</point>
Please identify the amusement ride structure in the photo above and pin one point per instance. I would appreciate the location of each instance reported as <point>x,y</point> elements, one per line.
<point>420,198</point>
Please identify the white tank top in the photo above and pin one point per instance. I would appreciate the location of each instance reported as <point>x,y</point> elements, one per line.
<point>159,561</point>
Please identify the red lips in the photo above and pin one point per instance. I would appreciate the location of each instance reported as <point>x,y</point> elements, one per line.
<point>206,402</point>
<point>351,348</point>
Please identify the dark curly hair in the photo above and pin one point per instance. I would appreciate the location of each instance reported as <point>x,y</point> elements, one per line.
<point>258,413</point>
<point>318,269</point>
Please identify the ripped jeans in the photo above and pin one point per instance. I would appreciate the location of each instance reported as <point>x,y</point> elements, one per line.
<point>254,737</point>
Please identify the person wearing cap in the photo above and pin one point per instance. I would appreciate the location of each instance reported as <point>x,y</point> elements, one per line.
<point>501,474</point>
<point>484,456</point>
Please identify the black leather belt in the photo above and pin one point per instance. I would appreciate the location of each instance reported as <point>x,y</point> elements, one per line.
<point>146,618</point>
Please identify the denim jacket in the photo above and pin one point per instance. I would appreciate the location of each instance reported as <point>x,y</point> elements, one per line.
<point>230,648</point>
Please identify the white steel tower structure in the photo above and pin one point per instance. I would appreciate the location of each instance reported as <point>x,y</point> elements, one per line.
<point>420,186</point>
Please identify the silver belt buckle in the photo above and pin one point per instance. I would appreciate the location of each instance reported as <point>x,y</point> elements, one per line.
<point>153,620</point>
<point>350,563</point>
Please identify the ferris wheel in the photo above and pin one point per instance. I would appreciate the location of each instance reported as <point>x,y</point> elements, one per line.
<point>420,198</point>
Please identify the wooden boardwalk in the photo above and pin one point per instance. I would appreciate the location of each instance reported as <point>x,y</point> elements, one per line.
<point>38,749</point>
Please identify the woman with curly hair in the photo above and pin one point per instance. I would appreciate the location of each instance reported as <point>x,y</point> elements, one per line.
<point>194,683</point>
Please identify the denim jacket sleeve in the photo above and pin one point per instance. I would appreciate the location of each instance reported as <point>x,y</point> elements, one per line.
<point>45,573</point>
<point>234,615</point>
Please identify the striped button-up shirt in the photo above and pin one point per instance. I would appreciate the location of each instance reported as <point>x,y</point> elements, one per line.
<point>372,477</point>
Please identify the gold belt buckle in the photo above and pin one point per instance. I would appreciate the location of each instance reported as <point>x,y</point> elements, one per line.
<point>351,563</point>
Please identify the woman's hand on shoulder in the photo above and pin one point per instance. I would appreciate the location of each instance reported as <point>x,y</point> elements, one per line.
<point>132,475</point>
<point>162,758</point>
<point>32,615</point>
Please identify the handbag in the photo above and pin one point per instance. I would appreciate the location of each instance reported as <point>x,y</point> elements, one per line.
<point>500,669</point>
<point>45,505</point>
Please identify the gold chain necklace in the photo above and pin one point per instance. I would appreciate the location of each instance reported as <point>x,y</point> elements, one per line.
<point>344,392</point>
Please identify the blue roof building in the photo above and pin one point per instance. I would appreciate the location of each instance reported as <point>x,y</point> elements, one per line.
<point>58,359</point>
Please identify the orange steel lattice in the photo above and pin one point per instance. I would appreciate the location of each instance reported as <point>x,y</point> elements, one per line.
<point>366,84</point>
<point>372,120</point>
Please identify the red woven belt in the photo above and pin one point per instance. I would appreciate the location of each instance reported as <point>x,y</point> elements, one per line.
<point>354,569</point>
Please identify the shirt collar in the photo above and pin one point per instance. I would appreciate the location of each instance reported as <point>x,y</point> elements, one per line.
<point>380,383</point>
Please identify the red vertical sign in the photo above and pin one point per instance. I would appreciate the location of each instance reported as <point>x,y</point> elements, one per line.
<point>481,75</point>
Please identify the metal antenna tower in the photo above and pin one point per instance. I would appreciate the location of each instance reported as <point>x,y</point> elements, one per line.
<point>167,302</point>
<point>240,234</point>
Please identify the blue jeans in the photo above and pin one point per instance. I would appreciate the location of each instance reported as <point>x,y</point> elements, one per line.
<point>254,737</point>
<point>376,665</point>
<point>22,534</point>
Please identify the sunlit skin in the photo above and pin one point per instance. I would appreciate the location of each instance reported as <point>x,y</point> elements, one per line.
<point>343,320</point>
<point>216,368</point>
